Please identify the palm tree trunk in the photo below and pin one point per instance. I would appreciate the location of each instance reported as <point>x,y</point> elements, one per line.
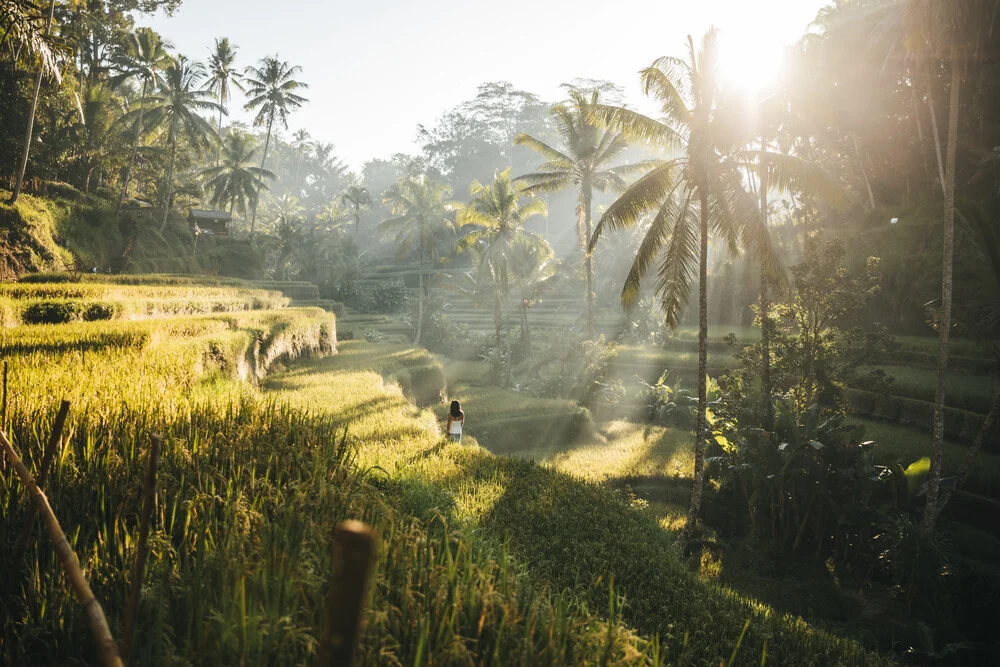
<point>260,182</point>
<point>218,151</point>
<point>170,181</point>
<point>587,257</point>
<point>525,334</point>
<point>31,117</point>
<point>944,324</point>
<point>694,510</point>
<point>135,145</point>
<point>864,172</point>
<point>765,316</point>
<point>420,298</point>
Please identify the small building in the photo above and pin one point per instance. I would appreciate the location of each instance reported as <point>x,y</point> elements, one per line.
<point>215,223</point>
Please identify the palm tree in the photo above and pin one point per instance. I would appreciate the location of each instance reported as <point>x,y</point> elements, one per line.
<point>175,108</point>
<point>494,219</point>
<point>356,196</point>
<point>535,270</point>
<point>301,143</point>
<point>46,65</point>
<point>236,180</point>
<point>943,33</point>
<point>221,76</point>
<point>690,196</point>
<point>584,161</point>
<point>420,210</point>
<point>144,57</point>
<point>271,88</point>
<point>26,35</point>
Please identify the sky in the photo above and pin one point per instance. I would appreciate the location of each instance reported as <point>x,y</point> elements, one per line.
<point>378,68</point>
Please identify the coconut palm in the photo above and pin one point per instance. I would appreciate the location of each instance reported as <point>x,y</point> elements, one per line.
<point>357,197</point>
<point>222,77</point>
<point>26,35</point>
<point>175,108</point>
<point>692,196</point>
<point>237,180</point>
<point>144,57</point>
<point>584,161</point>
<point>301,142</point>
<point>421,218</point>
<point>534,271</point>
<point>271,87</point>
<point>494,219</point>
<point>39,45</point>
<point>948,35</point>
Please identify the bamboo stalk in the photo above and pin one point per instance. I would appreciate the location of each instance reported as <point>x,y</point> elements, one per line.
<point>353,556</point>
<point>149,497</point>
<point>43,476</point>
<point>106,647</point>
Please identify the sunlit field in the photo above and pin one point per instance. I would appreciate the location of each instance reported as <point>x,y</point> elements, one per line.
<point>642,334</point>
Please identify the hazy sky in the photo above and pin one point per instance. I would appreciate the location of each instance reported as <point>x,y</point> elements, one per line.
<point>378,68</point>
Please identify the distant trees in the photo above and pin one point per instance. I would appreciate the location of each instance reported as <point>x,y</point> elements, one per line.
<point>584,161</point>
<point>176,110</point>
<point>222,77</point>
<point>357,197</point>
<point>494,220</point>
<point>237,181</point>
<point>271,88</point>
<point>144,57</point>
<point>420,218</point>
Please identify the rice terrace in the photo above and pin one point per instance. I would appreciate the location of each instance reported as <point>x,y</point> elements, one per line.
<point>448,333</point>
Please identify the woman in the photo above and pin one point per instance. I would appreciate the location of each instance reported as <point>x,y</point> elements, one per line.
<point>456,418</point>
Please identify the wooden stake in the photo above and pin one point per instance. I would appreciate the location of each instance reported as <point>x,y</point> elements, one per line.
<point>3,417</point>
<point>107,649</point>
<point>43,476</point>
<point>149,498</point>
<point>353,556</point>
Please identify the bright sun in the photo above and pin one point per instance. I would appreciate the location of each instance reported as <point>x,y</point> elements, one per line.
<point>749,59</point>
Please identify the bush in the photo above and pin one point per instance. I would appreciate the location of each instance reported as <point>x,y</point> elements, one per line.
<point>380,298</point>
<point>51,312</point>
<point>101,310</point>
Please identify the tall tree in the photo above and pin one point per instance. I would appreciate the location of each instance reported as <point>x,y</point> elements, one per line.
<point>237,180</point>
<point>271,87</point>
<point>42,50</point>
<point>175,108</point>
<point>222,77</point>
<point>494,218</point>
<point>421,216</point>
<point>144,57</point>
<point>690,197</point>
<point>301,143</point>
<point>584,161</point>
<point>357,197</point>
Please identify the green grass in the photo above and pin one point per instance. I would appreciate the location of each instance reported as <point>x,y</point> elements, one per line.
<point>905,445</point>
<point>962,390</point>
<point>569,533</point>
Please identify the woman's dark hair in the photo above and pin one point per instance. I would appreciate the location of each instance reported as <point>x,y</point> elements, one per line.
<point>456,409</point>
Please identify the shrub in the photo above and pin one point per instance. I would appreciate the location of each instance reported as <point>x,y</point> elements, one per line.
<point>51,312</point>
<point>381,298</point>
<point>101,310</point>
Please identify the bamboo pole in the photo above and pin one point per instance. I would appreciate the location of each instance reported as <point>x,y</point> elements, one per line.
<point>106,647</point>
<point>353,556</point>
<point>149,498</point>
<point>43,476</point>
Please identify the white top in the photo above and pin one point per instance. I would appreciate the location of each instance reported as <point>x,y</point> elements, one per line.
<point>455,426</point>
